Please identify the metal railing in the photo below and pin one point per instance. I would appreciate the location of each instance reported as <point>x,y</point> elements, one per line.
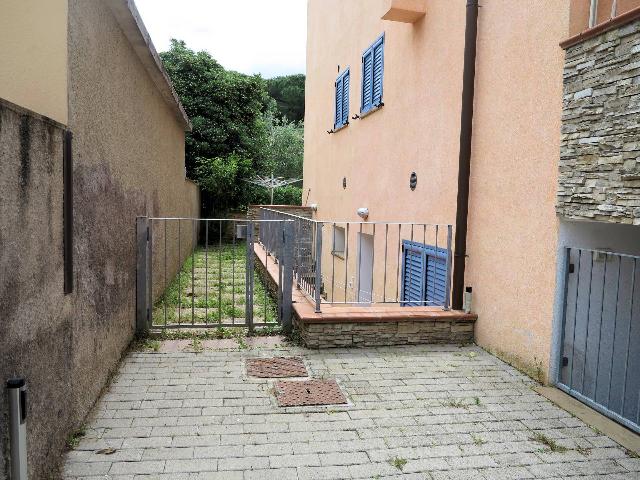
<point>199,273</point>
<point>364,263</point>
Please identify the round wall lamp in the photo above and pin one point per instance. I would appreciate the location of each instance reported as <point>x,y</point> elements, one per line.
<point>413,181</point>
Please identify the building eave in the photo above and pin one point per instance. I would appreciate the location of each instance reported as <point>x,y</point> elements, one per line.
<point>129,19</point>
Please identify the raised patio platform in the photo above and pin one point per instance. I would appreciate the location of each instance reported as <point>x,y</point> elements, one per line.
<point>376,325</point>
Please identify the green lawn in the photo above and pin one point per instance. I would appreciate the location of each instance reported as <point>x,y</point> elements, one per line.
<point>210,289</point>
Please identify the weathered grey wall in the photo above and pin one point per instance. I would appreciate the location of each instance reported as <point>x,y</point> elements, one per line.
<point>600,155</point>
<point>128,161</point>
<point>36,324</point>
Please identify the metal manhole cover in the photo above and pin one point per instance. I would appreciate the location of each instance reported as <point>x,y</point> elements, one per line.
<point>309,392</point>
<point>278,367</point>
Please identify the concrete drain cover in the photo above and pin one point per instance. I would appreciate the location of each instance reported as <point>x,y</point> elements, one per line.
<point>310,392</point>
<point>278,367</point>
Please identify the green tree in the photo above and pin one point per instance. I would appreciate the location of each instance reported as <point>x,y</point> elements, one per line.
<point>288,91</point>
<point>283,153</point>
<point>226,108</point>
<point>237,131</point>
<point>221,181</point>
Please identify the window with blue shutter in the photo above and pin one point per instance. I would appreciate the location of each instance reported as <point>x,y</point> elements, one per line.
<point>372,76</point>
<point>342,100</point>
<point>424,274</point>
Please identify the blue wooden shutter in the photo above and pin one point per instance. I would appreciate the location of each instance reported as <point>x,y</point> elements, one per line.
<point>372,75</point>
<point>378,71</point>
<point>367,80</point>
<point>345,97</point>
<point>413,265</point>
<point>338,103</point>
<point>424,275</point>
<point>436,281</point>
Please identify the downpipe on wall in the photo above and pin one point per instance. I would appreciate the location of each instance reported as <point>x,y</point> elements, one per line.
<point>464,159</point>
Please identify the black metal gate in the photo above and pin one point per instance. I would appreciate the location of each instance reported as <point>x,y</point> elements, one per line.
<point>204,273</point>
<point>600,357</point>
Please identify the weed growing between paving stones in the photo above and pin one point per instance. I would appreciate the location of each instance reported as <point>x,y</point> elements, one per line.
<point>398,462</point>
<point>583,450</point>
<point>454,403</point>
<point>74,439</point>
<point>548,442</point>
<point>196,345</point>
<point>478,440</point>
<point>218,291</point>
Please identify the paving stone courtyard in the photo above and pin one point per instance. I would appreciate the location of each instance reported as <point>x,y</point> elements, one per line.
<point>422,412</point>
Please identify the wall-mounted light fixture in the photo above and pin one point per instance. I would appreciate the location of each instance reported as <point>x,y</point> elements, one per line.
<point>363,212</point>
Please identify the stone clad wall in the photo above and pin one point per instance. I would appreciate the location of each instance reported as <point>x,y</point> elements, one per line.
<point>372,334</point>
<point>600,152</point>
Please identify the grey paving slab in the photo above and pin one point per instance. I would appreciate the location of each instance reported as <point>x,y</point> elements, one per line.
<point>427,412</point>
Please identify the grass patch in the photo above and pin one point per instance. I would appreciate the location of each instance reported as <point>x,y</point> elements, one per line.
<point>219,290</point>
<point>548,442</point>
<point>477,440</point>
<point>398,462</point>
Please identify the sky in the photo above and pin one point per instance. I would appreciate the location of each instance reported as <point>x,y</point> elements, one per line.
<point>249,36</point>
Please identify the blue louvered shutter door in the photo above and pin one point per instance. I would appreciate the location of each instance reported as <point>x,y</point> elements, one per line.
<point>338,118</point>
<point>378,72</point>
<point>413,276</point>
<point>345,98</point>
<point>436,280</point>
<point>367,80</point>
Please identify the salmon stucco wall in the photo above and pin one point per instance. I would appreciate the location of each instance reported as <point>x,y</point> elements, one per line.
<point>415,131</point>
<point>580,11</point>
<point>513,229</point>
<point>33,56</point>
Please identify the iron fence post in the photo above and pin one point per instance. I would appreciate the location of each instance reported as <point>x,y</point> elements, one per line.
<point>447,294</point>
<point>286,286</point>
<point>248,308</point>
<point>318,265</point>
<point>142,262</point>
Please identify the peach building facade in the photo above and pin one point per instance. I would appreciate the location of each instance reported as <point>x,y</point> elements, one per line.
<point>517,239</point>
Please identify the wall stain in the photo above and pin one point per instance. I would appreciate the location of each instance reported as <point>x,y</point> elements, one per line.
<point>25,146</point>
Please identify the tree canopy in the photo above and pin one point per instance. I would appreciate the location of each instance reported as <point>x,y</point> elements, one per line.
<point>238,131</point>
<point>288,92</point>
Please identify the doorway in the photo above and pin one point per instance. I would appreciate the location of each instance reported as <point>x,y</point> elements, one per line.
<point>365,268</point>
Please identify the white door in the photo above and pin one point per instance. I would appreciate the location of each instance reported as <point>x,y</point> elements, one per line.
<point>365,268</point>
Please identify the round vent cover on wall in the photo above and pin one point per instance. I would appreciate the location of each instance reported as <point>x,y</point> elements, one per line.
<point>413,181</point>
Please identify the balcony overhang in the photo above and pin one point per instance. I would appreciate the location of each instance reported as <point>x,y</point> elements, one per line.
<point>405,11</point>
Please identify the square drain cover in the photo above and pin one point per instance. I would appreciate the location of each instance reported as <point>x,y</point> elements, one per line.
<point>278,367</point>
<point>310,392</point>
